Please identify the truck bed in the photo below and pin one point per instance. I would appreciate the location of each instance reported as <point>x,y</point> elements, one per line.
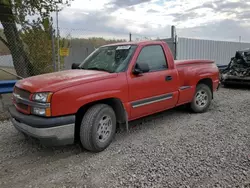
<point>189,71</point>
<point>191,62</point>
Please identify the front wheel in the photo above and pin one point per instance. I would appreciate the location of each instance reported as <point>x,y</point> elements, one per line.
<point>98,128</point>
<point>202,99</point>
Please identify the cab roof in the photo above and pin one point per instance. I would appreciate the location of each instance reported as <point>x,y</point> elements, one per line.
<point>146,42</point>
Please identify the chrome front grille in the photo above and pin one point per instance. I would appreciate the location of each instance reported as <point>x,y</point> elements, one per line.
<point>22,93</point>
<point>20,106</point>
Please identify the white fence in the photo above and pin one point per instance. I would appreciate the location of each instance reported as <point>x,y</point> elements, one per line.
<point>219,51</point>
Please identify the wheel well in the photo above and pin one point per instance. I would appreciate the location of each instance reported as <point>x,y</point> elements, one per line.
<point>208,82</point>
<point>115,103</point>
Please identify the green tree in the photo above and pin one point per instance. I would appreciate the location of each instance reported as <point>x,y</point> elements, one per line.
<point>3,48</point>
<point>13,12</point>
<point>38,44</point>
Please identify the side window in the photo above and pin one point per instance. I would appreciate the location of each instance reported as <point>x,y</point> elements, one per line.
<point>154,56</point>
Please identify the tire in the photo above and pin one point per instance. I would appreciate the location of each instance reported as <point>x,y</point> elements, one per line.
<point>99,117</point>
<point>200,105</point>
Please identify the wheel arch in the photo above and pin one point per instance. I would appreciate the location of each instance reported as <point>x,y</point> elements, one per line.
<point>116,105</point>
<point>208,82</point>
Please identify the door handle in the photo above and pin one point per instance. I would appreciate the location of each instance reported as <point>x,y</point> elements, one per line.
<point>168,78</point>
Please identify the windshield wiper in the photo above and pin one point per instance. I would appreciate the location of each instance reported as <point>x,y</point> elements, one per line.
<point>100,69</point>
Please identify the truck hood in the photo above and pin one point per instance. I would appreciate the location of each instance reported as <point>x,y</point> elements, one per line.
<point>63,79</point>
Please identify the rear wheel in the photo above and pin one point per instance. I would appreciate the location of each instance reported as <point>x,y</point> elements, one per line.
<point>98,128</point>
<point>202,99</point>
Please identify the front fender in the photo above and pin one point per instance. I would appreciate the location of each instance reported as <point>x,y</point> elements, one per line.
<point>98,97</point>
<point>69,100</point>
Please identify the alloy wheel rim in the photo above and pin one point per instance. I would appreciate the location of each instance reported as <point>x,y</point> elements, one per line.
<point>201,98</point>
<point>104,128</point>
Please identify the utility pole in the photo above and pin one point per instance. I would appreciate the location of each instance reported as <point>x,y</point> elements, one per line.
<point>240,42</point>
<point>52,32</point>
<point>58,39</point>
<point>130,37</point>
<point>174,40</point>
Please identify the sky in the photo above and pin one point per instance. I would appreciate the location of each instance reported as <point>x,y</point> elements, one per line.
<point>204,19</point>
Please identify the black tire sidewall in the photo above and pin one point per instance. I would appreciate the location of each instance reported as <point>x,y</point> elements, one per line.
<point>95,122</point>
<point>197,108</point>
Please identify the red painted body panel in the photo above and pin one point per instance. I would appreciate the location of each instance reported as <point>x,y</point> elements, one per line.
<point>191,61</point>
<point>60,80</point>
<point>152,84</point>
<point>74,88</point>
<point>191,73</point>
<point>70,99</point>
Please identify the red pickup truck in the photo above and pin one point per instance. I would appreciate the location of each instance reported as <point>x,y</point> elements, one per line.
<point>115,84</point>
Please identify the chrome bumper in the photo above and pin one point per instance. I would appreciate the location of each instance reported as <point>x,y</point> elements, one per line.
<point>50,135</point>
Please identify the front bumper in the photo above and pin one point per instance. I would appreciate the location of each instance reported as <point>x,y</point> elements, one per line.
<point>49,131</point>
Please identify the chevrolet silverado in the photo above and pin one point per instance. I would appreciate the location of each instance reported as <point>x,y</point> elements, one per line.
<point>115,84</point>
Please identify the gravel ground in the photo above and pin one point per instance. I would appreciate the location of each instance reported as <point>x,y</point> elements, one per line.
<point>170,149</point>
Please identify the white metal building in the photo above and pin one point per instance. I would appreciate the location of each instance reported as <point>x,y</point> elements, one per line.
<point>219,51</point>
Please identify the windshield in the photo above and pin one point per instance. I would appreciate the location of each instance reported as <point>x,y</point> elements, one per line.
<point>109,58</point>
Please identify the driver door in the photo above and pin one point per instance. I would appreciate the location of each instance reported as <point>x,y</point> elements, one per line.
<point>155,90</point>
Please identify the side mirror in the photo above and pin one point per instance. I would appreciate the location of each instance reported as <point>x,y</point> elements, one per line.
<point>141,68</point>
<point>75,66</point>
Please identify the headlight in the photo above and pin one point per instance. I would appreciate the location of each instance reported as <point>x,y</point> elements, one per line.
<point>42,97</point>
<point>41,111</point>
<point>44,109</point>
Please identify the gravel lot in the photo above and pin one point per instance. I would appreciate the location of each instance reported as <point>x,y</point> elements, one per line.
<point>171,149</point>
